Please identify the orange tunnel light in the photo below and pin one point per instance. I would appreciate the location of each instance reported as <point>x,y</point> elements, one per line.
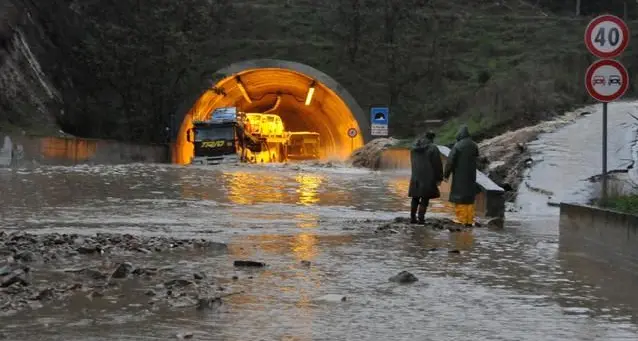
<point>311,91</point>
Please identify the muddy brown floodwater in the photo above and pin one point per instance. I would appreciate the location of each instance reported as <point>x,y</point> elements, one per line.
<point>317,231</point>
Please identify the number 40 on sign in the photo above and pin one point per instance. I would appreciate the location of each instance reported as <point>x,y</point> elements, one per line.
<point>606,36</point>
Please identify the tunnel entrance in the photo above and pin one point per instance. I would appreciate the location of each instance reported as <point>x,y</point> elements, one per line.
<point>306,99</point>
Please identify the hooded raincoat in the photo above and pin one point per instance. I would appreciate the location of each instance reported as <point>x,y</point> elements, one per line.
<point>462,164</point>
<point>427,170</point>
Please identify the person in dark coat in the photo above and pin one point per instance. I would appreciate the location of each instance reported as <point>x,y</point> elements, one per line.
<point>462,164</point>
<point>427,174</point>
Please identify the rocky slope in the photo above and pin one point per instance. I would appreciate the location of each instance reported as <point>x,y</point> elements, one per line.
<point>27,96</point>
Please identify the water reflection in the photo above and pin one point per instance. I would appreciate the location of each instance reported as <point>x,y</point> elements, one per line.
<point>308,187</point>
<point>602,280</point>
<point>399,187</point>
<point>246,188</point>
<point>249,188</point>
<point>200,188</point>
<point>304,246</point>
<point>301,197</point>
<point>463,241</point>
<point>528,269</point>
<point>300,246</point>
<point>307,220</point>
<point>294,285</point>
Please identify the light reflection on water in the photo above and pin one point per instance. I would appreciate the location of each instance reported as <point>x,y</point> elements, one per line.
<point>159,197</point>
<point>503,285</point>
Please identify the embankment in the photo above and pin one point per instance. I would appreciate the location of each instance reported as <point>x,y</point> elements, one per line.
<point>28,99</point>
<point>504,158</point>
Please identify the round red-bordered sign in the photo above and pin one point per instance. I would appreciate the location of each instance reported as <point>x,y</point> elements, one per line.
<point>606,80</point>
<point>607,36</point>
<point>352,132</point>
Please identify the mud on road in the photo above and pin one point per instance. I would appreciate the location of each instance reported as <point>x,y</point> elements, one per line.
<point>36,270</point>
<point>41,269</point>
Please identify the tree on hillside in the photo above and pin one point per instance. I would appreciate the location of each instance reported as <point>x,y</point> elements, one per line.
<point>124,66</point>
<point>578,4</point>
<point>623,8</point>
<point>125,62</point>
<point>350,15</point>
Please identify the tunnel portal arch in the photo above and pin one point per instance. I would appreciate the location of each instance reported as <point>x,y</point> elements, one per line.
<point>280,86</point>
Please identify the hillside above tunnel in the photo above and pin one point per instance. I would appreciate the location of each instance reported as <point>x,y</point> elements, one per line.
<point>125,70</point>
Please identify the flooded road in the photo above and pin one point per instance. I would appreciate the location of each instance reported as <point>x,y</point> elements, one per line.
<point>503,285</point>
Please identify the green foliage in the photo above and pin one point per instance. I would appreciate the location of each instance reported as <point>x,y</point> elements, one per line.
<point>124,67</point>
<point>625,204</point>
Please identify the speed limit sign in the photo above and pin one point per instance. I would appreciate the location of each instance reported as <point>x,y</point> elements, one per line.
<point>352,132</point>
<point>606,36</point>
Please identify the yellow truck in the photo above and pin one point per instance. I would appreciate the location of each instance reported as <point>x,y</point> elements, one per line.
<point>303,145</point>
<point>265,125</point>
<point>232,136</point>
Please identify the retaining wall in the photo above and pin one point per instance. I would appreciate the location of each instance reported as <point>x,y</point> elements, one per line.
<point>490,201</point>
<point>601,247</point>
<point>27,150</point>
<point>600,235</point>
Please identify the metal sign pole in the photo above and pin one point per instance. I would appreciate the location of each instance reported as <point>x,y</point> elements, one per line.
<point>352,133</point>
<point>606,37</point>
<point>604,182</point>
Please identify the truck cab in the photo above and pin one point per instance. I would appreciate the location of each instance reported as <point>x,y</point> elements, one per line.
<point>215,141</point>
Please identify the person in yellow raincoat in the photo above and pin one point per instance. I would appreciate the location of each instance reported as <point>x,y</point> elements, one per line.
<point>462,164</point>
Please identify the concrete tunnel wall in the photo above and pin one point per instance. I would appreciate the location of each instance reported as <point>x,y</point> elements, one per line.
<point>332,112</point>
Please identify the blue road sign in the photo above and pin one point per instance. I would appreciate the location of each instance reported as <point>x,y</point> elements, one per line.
<point>379,115</point>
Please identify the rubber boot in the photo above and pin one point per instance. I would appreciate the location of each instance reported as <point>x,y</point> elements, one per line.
<point>458,214</point>
<point>469,216</point>
<point>413,207</point>
<point>422,209</point>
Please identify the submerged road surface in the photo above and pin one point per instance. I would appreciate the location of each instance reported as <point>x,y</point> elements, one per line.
<point>503,285</point>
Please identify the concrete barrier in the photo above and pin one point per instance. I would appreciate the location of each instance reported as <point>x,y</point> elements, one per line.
<point>490,201</point>
<point>25,150</point>
<point>600,235</point>
<point>601,248</point>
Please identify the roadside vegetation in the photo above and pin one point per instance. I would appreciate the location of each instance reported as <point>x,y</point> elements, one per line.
<point>623,203</point>
<point>622,196</point>
<point>123,68</point>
